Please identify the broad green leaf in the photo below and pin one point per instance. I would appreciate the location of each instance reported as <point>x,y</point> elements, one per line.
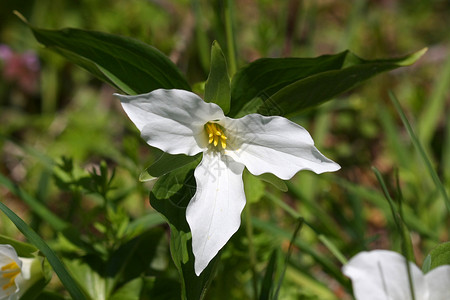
<point>170,196</point>
<point>134,258</point>
<point>266,76</point>
<point>253,187</point>
<point>217,87</point>
<point>129,291</point>
<point>87,272</point>
<point>143,223</point>
<point>290,85</point>
<point>22,249</point>
<point>128,64</point>
<point>318,88</point>
<point>66,279</point>
<point>439,256</point>
<point>165,164</point>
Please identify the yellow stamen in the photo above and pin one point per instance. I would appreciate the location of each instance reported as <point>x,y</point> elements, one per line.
<point>11,266</point>
<point>215,134</point>
<point>12,270</point>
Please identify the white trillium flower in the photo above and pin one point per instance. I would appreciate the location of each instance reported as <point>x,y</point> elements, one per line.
<point>180,122</point>
<point>383,275</point>
<point>15,273</point>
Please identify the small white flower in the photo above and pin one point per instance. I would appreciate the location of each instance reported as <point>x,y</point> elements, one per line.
<point>15,273</point>
<point>382,275</point>
<point>180,122</point>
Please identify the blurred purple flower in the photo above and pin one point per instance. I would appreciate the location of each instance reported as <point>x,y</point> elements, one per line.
<point>21,69</point>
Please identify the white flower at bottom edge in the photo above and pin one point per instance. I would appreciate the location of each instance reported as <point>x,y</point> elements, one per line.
<point>15,273</point>
<point>180,122</point>
<point>382,275</point>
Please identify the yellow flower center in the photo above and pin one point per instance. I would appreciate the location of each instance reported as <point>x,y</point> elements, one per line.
<point>10,271</point>
<point>215,135</point>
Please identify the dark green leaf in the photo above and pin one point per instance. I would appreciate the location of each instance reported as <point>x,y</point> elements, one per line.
<point>268,281</point>
<point>439,256</point>
<point>266,76</point>
<point>217,87</point>
<point>58,267</point>
<point>318,88</point>
<point>47,295</point>
<point>170,196</point>
<point>290,85</point>
<point>127,64</point>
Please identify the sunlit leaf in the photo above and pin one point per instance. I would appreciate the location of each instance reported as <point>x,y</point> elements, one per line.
<point>439,256</point>
<point>217,87</point>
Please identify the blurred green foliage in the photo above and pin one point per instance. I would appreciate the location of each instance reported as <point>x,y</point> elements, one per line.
<point>59,124</point>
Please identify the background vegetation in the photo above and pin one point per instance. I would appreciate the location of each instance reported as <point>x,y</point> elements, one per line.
<point>61,127</point>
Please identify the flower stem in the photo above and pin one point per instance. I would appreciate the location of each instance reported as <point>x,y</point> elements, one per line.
<point>251,249</point>
<point>230,38</point>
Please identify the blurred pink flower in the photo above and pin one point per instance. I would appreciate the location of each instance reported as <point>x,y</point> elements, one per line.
<point>21,69</point>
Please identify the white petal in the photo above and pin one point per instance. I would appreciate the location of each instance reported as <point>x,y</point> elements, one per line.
<point>438,281</point>
<point>214,213</point>
<point>171,120</point>
<point>382,275</point>
<point>274,145</point>
<point>8,255</point>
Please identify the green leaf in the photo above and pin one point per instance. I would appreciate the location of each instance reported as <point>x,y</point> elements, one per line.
<point>316,89</point>
<point>166,163</point>
<point>22,249</point>
<point>170,196</point>
<point>268,281</point>
<point>127,64</point>
<point>55,262</point>
<point>266,76</point>
<point>217,87</point>
<point>253,187</point>
<point>274,180</point>
<point>292,85</point>
<point>87,272</point>
<point>129,291</point>
<point>439,256</point>
<point>47,295</point>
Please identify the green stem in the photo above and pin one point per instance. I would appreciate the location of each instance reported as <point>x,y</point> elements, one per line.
<point>421,150</point>
<point>230,37</point>
<point>251,249</point>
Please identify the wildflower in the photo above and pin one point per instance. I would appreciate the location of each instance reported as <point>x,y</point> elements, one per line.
<point>21,69</point>
<point>15,273</point>
<point>383,275</point>
<point>180,122</point>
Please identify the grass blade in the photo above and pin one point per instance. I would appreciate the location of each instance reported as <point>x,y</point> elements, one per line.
<point>55,262</point>
<point>421,151</point>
